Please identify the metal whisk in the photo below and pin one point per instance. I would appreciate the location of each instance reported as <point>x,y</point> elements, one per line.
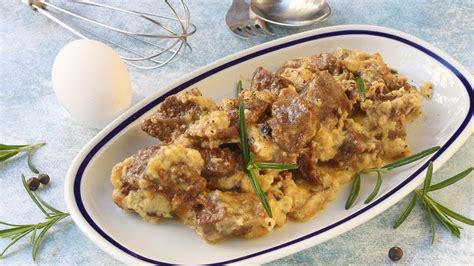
<point>164,41</point>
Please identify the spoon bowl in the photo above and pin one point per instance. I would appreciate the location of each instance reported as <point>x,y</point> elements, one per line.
<point>293,13</point>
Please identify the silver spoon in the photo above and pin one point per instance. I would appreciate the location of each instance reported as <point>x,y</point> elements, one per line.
<point>291,12</point>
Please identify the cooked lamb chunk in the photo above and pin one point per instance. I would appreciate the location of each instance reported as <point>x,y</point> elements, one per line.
<point>220,162</point>
<point>358,148</point>
<point>263,79</point>
<point>156,181</point>
<point>326,61</point>
<point>210,131</point>
<point>218,215</point>
<point>176,113</point>
<point>258,103</point>
<point>126,175</point>
<point>325,92</point>
<point>294,121</point>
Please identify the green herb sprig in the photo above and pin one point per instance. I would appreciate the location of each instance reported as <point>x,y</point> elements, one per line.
<point>384,169</point>
<point>38,231</point>
<point>251,165</point>
<point>361,87</point>
<point>239,87</point>
<point>433,208</point>
<point>8,151</point>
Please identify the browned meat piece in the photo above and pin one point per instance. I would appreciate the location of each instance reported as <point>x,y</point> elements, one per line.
<point>258,103</point>
<point>220,215</point>
<point>263,79</point>
<point>176,113</point>
<point>177,170</point>
<point>294,121</point>
<point>358,148</point>
<point>157,181</point>
<point>231,107</point>
<point>325,92</point>
<point>126,175</point>
<point>307,166</point>
<point>220,162</point>
<point>210,131</point>
<point>327,61</point>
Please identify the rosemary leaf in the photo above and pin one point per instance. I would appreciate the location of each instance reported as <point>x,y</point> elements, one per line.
<point>33,236</point>
<point>239,87</point>
<point>51,208</point>
<point>39,239</point>
<point>278,166</point>
<point>12,232</point>
<point>9,224</point>
<point>454,214</point>
<point>406,213</point>
<point>429,175</point>
<point>354,192</point>
<point>433,226</point>
<point>13,242</point>
<point>243,135</point>
<point>30,161</point>
<point>260,193</point>
<point>7,155</point>
<point>361,87</point>
<point>451,180</point>
<point>411,158</point>
<point>445,221</point>
<point>10,147</point>
<point>376,189</point>
<point>33,196</point>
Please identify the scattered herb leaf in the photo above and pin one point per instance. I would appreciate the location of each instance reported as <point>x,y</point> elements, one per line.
<point>411,158</point>
<point>376,189</point>
<point>361,87</point>
<point>18,231</point>
<point>451,180</point>
<point>406,213</point>
<point>354,191</point>
<point>429,174</point>
<point>239,87</point>
<point>278,166</point>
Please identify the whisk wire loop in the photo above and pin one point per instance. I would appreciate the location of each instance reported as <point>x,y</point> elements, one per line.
<point>160,55</point>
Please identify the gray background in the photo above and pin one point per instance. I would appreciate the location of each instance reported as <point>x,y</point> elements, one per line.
<point>29,112</point>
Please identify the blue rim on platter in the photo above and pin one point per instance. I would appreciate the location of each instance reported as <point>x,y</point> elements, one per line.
<point>78,177</point>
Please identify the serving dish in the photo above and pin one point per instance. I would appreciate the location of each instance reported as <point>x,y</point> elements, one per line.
<point>447,122</point>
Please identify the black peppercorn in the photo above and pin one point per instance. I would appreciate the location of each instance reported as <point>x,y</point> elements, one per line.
<point>395,253</point>
<point>33,183</point>
<point>43,178</point>
<point>266,129</point>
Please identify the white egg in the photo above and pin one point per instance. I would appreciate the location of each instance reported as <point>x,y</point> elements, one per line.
<point>91,81</point>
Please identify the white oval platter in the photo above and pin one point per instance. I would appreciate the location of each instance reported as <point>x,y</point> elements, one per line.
<point>447,122</point>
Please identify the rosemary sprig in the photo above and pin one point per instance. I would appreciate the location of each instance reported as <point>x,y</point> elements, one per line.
<point>361,87</point>
<point>239,87</point>
<point>386,168</point>
<point>251,164</point>
<point>8,151</point>
<point>433,208</point>
<point>37,231</point>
